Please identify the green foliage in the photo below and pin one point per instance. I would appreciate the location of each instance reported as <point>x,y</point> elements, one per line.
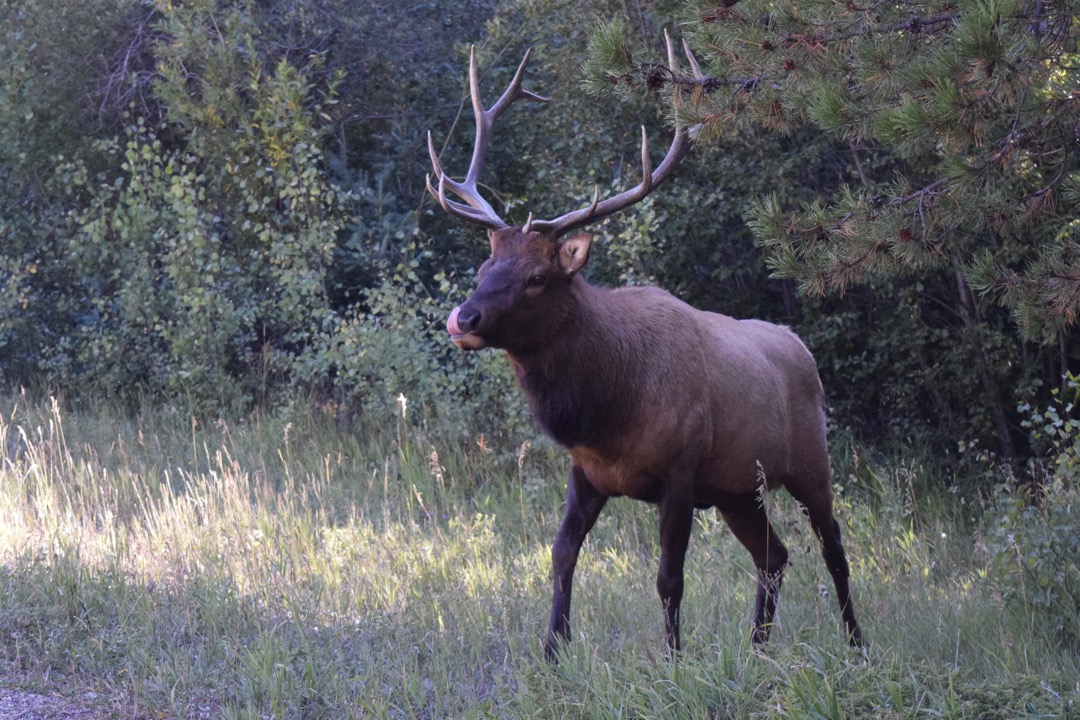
<point>17,291</point>
<point>55,84</point>
<point>214,245</point>
<point>1041,296</point>
<point>204,256</point>
<point>946,130</point>
<point>612,62</point>
<point>1034,533</point>
<point>223,200</point>
<point>396,350</point>
<point>972,102</point>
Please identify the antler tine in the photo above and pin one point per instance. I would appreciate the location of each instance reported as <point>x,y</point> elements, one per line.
<point>670,50</point>
<point>514,90</point>
<point>650,178</point>
<point>435,164</point>
<point>478,210</point>
<point>694,67</point>
<point>646,168</point>
<point>692,131</point>
<point>457,209</point>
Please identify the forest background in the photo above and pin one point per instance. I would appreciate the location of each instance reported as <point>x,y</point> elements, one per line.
<point>222,203</point>
<point>270,485</point>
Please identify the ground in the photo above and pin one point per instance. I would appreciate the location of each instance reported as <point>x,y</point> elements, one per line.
<point>22,705</point>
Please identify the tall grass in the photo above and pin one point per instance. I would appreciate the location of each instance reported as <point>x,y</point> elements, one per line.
<point>278,567</point>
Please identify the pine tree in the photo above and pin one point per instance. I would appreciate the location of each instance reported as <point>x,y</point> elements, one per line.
<point>963,123</point>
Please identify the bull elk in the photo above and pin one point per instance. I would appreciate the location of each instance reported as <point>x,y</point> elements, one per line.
<point>654,399</point>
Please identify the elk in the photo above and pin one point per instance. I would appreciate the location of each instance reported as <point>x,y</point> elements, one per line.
<point>654,399</point>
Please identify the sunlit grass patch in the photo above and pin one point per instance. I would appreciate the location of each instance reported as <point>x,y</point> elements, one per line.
<point>277,567</point>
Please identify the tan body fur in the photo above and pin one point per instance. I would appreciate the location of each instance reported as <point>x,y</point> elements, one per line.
<point>734,402</point>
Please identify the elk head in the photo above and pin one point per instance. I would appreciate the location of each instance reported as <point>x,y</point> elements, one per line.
<point>524,284</point>
<point>519,290</point>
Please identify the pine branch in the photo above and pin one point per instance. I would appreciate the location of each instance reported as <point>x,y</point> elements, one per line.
<point>919,195</point>
<point>1051,185</point>
<point>969,105</point>
<point>915,25</point>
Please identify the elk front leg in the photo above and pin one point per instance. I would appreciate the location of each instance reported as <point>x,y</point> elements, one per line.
<point>676,520</point>
<point>583,506</point>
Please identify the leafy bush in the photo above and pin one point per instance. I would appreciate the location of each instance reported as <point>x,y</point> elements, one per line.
<point>194,262</point>
<point>1034,532</point>
<point>397,346</point>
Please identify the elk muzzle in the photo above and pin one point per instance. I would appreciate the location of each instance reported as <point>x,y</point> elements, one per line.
<point>462,328</point>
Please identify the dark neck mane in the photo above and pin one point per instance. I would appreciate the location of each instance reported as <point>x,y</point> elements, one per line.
<point>573,383</point>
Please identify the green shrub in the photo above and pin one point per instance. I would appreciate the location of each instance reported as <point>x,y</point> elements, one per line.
<point>398,346</point>
<point>197,262</point>
<point>1034,530</point>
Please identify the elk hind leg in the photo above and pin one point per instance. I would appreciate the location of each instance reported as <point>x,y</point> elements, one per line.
<point>827,529</point>
<point>750,525</point>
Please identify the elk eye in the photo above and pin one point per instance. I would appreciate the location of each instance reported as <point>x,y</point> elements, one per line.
<point>537,280</point>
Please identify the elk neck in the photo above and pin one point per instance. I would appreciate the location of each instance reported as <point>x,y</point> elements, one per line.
<point>575,382</point>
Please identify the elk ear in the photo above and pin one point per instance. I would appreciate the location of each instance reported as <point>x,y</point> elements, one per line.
<point>574,252</point>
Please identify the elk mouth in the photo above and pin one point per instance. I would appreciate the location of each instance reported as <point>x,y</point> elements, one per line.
<point>464,339</point>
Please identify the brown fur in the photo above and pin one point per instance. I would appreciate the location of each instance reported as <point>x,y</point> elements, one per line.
<point>660,402</point>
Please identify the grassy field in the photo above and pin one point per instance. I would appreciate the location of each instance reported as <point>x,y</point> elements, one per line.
<point>281,568</point>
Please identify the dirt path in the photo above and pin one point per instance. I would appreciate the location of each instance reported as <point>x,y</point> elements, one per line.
<point>21,705</point>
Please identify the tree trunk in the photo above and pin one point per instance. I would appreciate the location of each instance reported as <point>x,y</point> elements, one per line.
<point>969,313</point>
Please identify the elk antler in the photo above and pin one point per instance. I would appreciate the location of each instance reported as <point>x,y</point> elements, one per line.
<point>478,210</point>
<point>649,178</point>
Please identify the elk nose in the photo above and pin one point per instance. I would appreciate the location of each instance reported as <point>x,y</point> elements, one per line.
<point>463,320</point>
<point>468,319</point>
